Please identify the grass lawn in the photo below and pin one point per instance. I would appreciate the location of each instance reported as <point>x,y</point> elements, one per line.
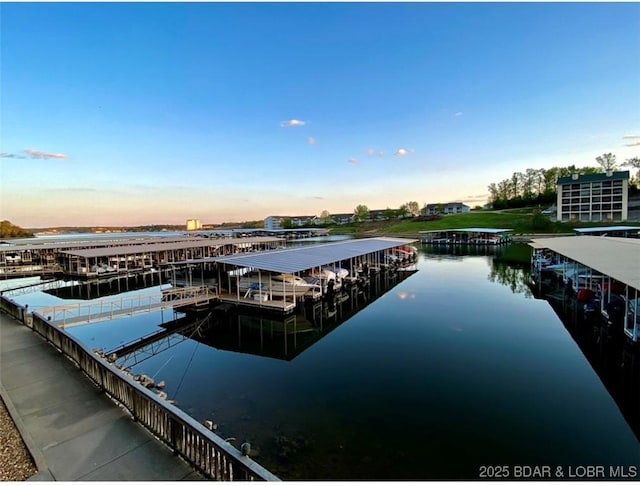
<point>518,222</point>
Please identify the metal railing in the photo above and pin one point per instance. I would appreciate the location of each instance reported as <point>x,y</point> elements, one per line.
<point>200,447</point>
<point>85,312</point>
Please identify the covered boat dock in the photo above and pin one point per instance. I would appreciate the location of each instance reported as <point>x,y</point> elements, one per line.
<point>467,236</point>
<point>250,279</point>
<point>42,255</point>
<point>614,231</point>
<point>104,262</point>
<point>606,267</point>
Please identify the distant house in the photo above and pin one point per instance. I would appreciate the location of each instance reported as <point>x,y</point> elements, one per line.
<point>593,197</point>
<point>343,218</point>
<point>447,208</point>
<point>302,220</point>
<point>277,222</point>
<point>378,215</point>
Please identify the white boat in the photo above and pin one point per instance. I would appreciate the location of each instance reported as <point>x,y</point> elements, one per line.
<point>336,271</point>
<point>278,285</point>
<point>327,277</point>
<point>102,269</point>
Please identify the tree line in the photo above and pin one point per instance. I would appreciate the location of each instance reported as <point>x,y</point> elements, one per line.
<point>538,186</point>
<point>9,230</point>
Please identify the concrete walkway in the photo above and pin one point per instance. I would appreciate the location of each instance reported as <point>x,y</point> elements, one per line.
<point>73,431</point>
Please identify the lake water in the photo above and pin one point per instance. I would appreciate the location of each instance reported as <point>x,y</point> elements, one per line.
<point>453,368</point>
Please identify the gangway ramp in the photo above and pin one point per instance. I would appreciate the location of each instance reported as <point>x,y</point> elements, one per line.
<point>91,312</point>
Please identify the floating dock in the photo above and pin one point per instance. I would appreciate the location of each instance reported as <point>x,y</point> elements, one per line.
<point>467,236</point>
<point>614,231</point>
<point>353,259</point>
<point>600,271</point>
<point>101,257</point>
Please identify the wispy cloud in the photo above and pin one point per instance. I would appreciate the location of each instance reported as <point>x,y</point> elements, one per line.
<point>293,123</point>
<point>34,154</point>
<point>403,152</point>
<point>6,155</point>
<point>375,153</point>
<point>317,197</point>
<point>37,154</point>
<point>476,197</point>
<point>311,141</point>
<point>631,137</point>
<point>353,161</point>
<point>458,113</point>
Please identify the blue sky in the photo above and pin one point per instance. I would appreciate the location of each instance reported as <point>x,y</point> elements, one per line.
<point>123,114</point>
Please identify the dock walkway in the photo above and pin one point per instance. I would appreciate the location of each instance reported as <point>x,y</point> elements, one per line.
<point>86,312</point>
<point>72,430</point>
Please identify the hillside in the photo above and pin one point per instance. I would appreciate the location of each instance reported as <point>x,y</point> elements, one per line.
<point>521,221</point>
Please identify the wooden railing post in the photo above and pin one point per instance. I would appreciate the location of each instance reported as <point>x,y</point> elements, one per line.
<point>201,448</point>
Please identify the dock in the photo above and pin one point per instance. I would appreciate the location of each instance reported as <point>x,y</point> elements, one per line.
<point>601,272</point>
<point>91,259</point>
<point>70,315</point>
<point>348,261</point>
<point>466,236</point>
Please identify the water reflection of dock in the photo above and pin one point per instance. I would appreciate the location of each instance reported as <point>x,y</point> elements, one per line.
<point>275,336</point>
<point>285,338</point>
<point>613,357</point>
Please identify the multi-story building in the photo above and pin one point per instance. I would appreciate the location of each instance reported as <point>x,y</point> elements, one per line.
<point>593,197</point>
<point>193,224</point>
<point>448,208</point>
<point>276,222</point>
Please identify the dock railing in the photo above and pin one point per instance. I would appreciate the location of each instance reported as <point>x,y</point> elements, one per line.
<point>200,447</point>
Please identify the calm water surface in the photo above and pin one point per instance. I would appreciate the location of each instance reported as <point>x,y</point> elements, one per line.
<point>455,367</point>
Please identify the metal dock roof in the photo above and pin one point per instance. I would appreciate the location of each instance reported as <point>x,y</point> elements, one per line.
<point>303,258</point>
<point>178,245</point>
<point>469,230</point>
<point>618,258</point>
<point>606,228</point>
<point>93,243</point>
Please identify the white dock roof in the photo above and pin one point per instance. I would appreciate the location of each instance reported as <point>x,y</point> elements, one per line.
<point>305,257</point>
<point>92,243</point>
<point>469,230</point>
<point>176,245</point>
<point>618,258</point>
<point>606,228</point>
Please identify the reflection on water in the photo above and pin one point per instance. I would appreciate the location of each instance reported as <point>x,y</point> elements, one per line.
<point>613,357</point>
<point>287,337</point>
<point>516,279</point>
<point>427,377</point>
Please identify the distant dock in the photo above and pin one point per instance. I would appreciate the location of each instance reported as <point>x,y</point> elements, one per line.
<point>467,236</point>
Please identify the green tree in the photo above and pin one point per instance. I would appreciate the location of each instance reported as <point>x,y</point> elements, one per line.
<point>413,208</point>
<point>325,217</point>
<point>390,213</point>
<point>607,161</point>
<point>634,162</point>
<point>9,230</point>
<point>286,223</point>
<point>361,212</point>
